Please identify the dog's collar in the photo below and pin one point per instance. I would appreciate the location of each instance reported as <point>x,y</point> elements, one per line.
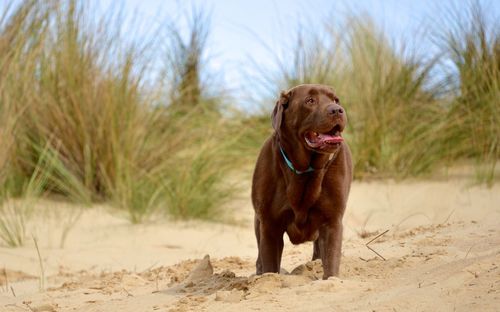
<point>290,165</point>
<point>310,169</point>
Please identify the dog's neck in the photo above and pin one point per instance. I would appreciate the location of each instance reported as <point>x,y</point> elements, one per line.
<point>300,157</point>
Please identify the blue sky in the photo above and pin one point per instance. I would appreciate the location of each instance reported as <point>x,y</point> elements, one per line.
<point>250,29</point>
<point>241,30</point>
<point>244,29</point>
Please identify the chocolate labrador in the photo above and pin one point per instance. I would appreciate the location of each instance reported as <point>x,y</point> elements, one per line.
<point>302,178</point>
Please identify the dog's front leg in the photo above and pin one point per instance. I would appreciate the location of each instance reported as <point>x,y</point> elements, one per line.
<point>270,249</point>
<point>331,247</point>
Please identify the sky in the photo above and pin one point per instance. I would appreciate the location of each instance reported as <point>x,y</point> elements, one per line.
<point>244,30</point>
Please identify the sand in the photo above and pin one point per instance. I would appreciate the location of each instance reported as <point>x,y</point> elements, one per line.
<point>441,252</point>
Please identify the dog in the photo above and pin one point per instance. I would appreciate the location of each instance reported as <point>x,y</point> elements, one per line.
<point>302,178</point>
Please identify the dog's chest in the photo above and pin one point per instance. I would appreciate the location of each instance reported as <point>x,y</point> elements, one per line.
<point>303,192</point>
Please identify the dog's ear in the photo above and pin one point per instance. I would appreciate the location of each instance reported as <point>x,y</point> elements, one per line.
<point>281,105</point>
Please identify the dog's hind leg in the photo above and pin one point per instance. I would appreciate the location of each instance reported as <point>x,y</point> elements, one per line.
<point>316,250</point>
<point>258,263</point>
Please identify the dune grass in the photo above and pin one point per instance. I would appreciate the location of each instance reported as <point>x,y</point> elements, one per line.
<point>392,112</point>
<point>381,88</point>
<point>403,119</point>
<point>88,109</point>
<point>472,46</point>
<point>15,213</point>
<point>74,88</point>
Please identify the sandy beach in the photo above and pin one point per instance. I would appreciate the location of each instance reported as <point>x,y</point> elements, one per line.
<point>438,250</point>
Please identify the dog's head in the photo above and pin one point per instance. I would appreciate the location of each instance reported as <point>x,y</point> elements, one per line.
<point>312,115</point>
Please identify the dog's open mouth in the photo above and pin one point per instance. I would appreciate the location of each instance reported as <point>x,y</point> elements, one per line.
<point>319,140</point>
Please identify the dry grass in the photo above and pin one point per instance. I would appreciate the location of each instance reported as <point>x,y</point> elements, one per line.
<point>83,113</point>
<point>404,118</point>
<point>472,45</point>
<point>73,87</point>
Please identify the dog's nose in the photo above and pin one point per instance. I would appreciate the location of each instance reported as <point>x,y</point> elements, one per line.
<point>335,110</point>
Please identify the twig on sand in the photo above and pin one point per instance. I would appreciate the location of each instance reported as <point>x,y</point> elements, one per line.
<point>374,239</point>
<point>127,292</point>
<point>157,277</point>
<point>468,251</point>
<point>6,279</point>
<point>13,293</point>
<point>448,217</point>
<point>396,228</point>
<point>40,261</point>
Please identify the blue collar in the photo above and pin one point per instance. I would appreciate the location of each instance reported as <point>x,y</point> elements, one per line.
<point>290,165</point>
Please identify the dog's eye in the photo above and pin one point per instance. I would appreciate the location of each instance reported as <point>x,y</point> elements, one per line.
<point>310,101</point>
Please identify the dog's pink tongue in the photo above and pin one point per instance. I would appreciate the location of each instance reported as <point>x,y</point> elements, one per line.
<point>328,138</point>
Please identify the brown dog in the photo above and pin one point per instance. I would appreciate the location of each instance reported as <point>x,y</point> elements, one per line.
<point>302,178</point>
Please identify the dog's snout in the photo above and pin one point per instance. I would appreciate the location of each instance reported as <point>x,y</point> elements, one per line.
<point>335,110</point>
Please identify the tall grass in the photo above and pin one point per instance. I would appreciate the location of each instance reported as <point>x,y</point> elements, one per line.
<point>403,119</point>
<point>75,87</point>
<point>393,111</point>
<point>381,88</point>
<point>192,192</point>
<point>472,45</point>
<point>14,213</point>
<point>185,60</point>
